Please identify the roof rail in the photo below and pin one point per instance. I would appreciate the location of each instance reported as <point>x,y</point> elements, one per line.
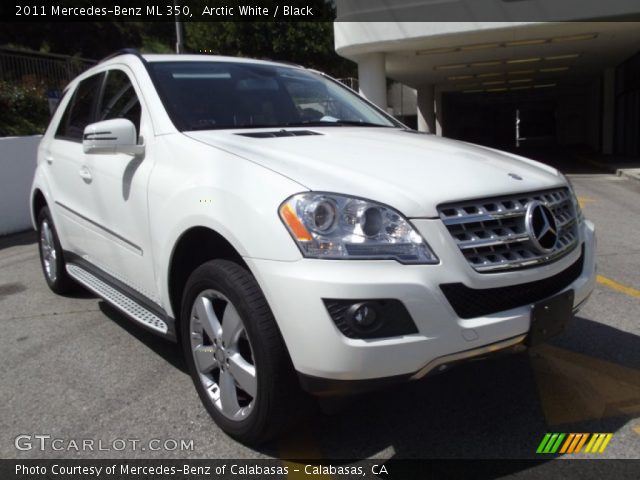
<point>124,51</point>
<point>285,62</point>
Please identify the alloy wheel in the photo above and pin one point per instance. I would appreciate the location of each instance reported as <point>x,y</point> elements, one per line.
<point>223,355</point>
<point>48,249</point>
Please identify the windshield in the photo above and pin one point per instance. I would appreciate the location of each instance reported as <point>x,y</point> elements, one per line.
<point>215,95</point>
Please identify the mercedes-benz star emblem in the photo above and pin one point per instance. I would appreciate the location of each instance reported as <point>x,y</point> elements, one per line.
<point>541,226</point>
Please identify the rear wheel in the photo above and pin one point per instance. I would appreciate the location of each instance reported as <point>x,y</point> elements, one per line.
<point>235,353</point>
<point>51,256</point>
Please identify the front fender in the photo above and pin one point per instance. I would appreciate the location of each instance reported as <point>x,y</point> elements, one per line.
<point>232,196</point>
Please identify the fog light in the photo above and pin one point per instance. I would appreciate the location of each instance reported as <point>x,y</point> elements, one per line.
<point>370,318</point>
<point>362,316</point>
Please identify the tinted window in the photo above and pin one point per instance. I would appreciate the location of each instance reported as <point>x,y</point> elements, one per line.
<point>80,111</point>
<point>119,99</point>
<point>210,95</point>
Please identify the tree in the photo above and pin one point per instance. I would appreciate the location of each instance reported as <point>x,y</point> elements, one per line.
<point>306,43</point>
<point>86,39</point>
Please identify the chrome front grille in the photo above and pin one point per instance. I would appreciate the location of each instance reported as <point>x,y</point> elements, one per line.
<point>491,232</point>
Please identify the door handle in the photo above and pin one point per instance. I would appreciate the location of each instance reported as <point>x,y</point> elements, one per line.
<point>85,174</point>
<point>48,159</point>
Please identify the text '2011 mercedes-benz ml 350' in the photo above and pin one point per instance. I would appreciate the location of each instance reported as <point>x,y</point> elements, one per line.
<point>292,237</point>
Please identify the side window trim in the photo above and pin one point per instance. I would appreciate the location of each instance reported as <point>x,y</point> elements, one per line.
<point>131,85</point>
<point>103,86</point>
<point>94,108</point>
<point>64,117</point>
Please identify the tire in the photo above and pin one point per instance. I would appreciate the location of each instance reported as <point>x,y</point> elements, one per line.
<point>51,255</point>
<point>235,353</point>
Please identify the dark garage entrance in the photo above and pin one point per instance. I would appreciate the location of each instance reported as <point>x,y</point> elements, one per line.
<point>547,122</point>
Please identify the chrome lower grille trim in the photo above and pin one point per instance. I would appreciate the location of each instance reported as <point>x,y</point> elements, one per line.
<point>491,232</point>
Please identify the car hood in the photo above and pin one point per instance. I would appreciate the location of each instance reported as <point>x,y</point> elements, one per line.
<point>409,171</point>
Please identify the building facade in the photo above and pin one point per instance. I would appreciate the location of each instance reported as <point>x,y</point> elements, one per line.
<point>504,83</point>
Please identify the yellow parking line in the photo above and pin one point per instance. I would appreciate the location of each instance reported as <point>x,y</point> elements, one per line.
<point>300,445</point>
<point>618,287</point>
<point>582,201</point>
<point>637,429</point>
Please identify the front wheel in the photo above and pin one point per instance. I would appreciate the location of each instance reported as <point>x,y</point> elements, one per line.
<point>235,353</point>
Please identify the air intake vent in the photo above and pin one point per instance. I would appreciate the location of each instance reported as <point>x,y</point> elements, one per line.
<point>471,303</point>
<point>279,133</point>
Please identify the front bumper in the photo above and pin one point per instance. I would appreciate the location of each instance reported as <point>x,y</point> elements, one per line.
<point>319,351</point>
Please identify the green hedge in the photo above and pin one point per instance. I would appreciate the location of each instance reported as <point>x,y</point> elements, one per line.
<point>24,109</point>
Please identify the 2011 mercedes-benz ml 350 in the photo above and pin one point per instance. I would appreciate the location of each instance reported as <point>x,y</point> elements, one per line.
<point>292,237</point>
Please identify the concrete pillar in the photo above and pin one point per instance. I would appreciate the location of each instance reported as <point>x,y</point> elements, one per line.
<point>608,110</point>
<point>372,78</point>
<point>426,109</point>
<point>438,101</point>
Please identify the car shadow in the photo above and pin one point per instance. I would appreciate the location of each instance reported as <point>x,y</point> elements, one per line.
<point>497,408</point>
<point>166,349</point>
<point>491,409</point>
<point>27,237</point>
<point>601,341</point>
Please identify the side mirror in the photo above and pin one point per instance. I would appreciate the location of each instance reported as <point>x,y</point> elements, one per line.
<point>111,136</point>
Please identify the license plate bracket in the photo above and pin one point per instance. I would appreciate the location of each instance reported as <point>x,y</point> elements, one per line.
<point>550,317</point>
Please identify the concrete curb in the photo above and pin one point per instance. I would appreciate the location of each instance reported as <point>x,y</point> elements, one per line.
<point>632,173</point>
<point>628,172</point>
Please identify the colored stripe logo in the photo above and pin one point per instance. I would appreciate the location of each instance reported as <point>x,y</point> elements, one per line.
<point>574,443</point>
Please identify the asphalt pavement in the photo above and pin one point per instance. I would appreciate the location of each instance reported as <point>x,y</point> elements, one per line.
<point>74,368</point>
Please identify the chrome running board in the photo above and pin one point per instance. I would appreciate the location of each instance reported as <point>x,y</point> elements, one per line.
<point>118,299</point>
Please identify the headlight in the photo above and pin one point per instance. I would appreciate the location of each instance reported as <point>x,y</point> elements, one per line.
<point>326,225</point>
<point>574,199</point>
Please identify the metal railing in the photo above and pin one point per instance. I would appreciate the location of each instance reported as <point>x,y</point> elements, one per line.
<point>350,82</point>
<point>50,70</point>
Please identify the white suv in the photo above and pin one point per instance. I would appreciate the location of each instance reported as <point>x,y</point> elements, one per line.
<point>293,237</point>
